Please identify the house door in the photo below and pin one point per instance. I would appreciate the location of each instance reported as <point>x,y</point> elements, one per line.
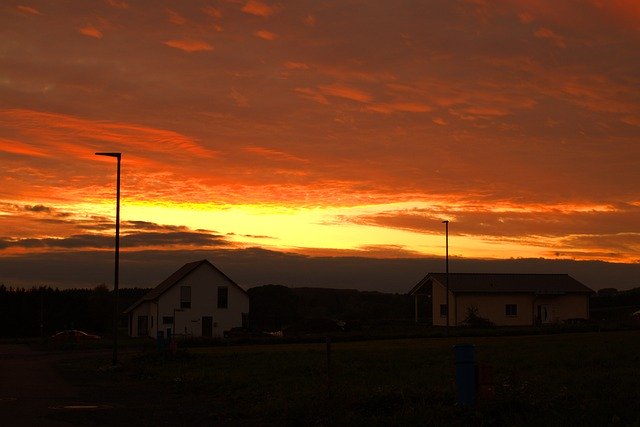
<point>544,313</point>
<point>207,326</point>
<point>143,326</point>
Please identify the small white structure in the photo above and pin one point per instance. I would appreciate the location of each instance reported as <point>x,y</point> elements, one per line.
<point>198,300</point>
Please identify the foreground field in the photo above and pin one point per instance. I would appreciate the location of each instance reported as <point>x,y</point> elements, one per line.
<point>564,379</point>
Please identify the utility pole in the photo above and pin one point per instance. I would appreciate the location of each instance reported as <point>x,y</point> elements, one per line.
<point>446,224</point>
<point>42,313</point>
<point>116,313</point>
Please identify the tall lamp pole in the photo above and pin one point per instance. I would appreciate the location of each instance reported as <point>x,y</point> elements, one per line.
<point>446,225</point>
<point>116,272</point>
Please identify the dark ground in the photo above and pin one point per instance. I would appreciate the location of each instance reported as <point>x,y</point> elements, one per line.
<point>32,393</point>
<point>588,378</point>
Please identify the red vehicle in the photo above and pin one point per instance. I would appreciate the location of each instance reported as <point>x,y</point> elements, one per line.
<point>73,335</point>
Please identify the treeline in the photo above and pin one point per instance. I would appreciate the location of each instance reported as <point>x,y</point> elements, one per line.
<point>275,308</point>
<point>611,304</point>
<point>45,310</point>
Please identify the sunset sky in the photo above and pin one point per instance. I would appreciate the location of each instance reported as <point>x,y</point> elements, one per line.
<point>321,128</point>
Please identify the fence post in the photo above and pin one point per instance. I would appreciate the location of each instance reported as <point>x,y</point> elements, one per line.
<point>328,364</point>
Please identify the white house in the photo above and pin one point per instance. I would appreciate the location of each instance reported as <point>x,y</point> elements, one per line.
<point>198,300</point>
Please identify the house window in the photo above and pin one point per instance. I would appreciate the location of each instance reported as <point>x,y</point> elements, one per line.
<point>185,296</point>
<point>443,309</point>
<point>223,297</point>
<point>511,309</point>
<point>167,320</point>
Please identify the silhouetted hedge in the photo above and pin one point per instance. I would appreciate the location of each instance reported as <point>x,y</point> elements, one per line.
<point>275,308</point>
<point>45,310</point>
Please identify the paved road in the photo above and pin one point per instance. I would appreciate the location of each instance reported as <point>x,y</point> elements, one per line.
<point>30,389</point>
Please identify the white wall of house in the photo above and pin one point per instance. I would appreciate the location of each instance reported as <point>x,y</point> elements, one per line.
<point>204,282</point>
<point>492,306</point>
<point>438,298</point>
<point>565,307</point>
<point>143,310</point>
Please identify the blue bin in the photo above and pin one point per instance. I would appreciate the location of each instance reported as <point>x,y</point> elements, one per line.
<point>160,340</point>
<point>465,373</point>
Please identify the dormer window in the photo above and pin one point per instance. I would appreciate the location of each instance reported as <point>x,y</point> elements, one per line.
<point>185,296</point>
<point>223,297</point>
<point>443,310</point>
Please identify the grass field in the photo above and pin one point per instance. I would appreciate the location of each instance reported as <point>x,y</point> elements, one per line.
<point>560,379</point>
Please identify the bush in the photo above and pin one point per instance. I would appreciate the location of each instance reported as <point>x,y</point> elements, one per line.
<point>473,319</point>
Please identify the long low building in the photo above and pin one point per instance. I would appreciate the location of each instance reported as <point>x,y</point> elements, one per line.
<point>503,299</point>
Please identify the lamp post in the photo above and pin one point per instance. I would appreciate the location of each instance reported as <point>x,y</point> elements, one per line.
<point>114,360</point>
<point>446,225</point>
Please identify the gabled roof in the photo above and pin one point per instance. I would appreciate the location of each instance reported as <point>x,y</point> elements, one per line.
<point>422,284</point>
<point>501,283</point>
<point>167,283</point>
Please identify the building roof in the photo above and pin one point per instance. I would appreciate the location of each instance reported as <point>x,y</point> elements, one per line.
<point>422,287</point>
<point>167,283</point>
<point>506,283</point>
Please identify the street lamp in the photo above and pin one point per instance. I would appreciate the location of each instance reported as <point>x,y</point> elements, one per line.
<point>446,224</point>
<point>117,260</point>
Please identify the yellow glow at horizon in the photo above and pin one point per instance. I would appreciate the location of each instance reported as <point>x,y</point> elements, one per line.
<point>325,228</point>
<point>291,228</point>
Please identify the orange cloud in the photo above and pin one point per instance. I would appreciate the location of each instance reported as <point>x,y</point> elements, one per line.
<point>273,154</point>
<point>626,12</point>
<point>486,111</point>
<point>344,73</point>
<point>239,99</point>
<point>598,93</point>
<point>258,8</point>
<point>158,163</point>
<point>175,17</point>
<point>310,21</point>
<point>189,45</point>
<point>28,10</point>
<point>544,227</point>
<point>119,4</point>
<point>61,132</point>
<point>266,35</point>
<point>526,17</point>
<point>16,147</point>
<point>312,94</point>
<point>90,31</point>
<point>347,92</point>
<point>507,102</point>
<point>214,12</point>
<point>631,120</point>
<point>406,107</point>
<point>546,33</point>
<point>290,65</point>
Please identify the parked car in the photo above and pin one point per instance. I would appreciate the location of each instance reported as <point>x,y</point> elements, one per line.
<point>73,335</point>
